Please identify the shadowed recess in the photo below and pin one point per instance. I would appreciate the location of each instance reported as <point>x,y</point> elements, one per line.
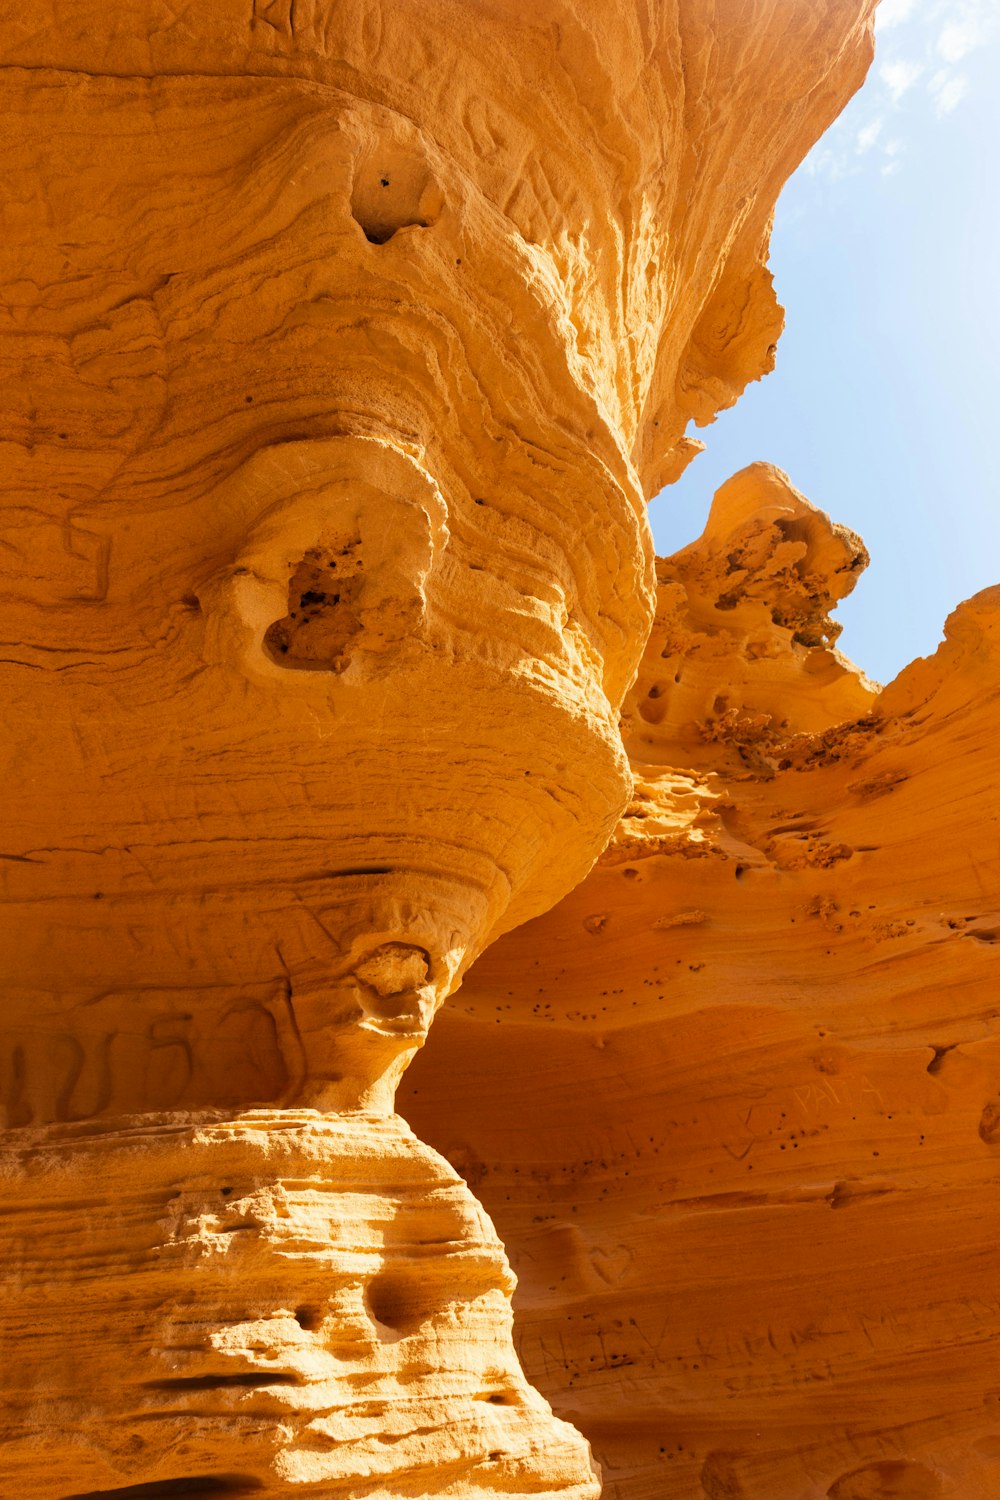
<point>166,1489</point>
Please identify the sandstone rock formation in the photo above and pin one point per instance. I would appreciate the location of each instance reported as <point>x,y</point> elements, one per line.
<point>734,1104</point>
<point>342,345</point>
<point>281,1302</point>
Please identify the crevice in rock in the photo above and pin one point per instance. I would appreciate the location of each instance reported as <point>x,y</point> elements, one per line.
<point>250,1381</point>
<point>167,1489</point>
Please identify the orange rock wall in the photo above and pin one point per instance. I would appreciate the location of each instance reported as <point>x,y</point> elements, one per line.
<point>341,346</point>
<point>734,1104</point>
<point>334,377</point>
<point>282,1303</point>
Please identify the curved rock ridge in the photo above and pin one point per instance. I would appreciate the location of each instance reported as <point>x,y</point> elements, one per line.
<point>279,1302</point>
<point>341,345</point>
<point>334,380</point>
<point>733,1104</point>
<point>630,157</point>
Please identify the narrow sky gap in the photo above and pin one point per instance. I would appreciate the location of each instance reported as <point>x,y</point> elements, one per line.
<point>882,408</point>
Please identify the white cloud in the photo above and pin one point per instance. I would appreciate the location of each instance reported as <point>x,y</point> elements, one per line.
<point>899,76</point>
<point>891,153</point>
<point>960,37</point>
<point>922,78</point>
<point>868,135</point>
<point>829,163</point>
<point>893,13</point>
<point>948,90</point>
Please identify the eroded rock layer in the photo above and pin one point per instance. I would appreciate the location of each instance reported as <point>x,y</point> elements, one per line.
<point>340,345</point>
<point>334,376</point>
<point>276,1301</point>
<point>734,1105</point>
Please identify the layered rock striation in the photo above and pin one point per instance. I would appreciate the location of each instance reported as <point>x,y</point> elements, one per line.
<point>341,346</point>
<point>733,1104</point>
<point>278,1303</point>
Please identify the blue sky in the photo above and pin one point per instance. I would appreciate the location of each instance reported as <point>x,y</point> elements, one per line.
<point>883,408</point>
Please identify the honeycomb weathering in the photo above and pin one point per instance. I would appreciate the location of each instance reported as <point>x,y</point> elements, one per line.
<point>342,345</point>
<point>734,1103</point>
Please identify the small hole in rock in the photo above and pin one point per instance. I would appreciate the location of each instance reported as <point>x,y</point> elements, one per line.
<point>940,1053</point>
<point>320,627</point>
<point>414,202</point>
<point>402,1300</point>
<point>308,1318</point>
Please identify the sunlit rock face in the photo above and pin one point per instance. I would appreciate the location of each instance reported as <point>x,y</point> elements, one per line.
<point>280,1303</point>
<point>341,347</point>
<point>336,375</point>
<point>325,593</point>
<point>748,1181</point>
